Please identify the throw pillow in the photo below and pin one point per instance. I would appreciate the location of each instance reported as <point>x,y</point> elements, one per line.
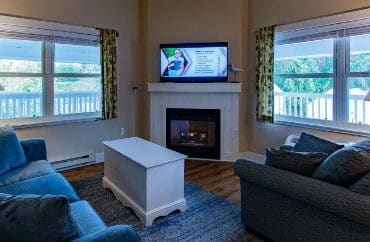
<point>36,218</point>
<point>310,143</point>
<point>346,165</point>
<point>362,186</point>
<point>11,151</point>
<point>303,163</point>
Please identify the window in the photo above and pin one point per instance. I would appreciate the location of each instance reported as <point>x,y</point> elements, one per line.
<point>49,76</point>
<point>77,79</point>
<point>21,76</point>
<point>304,79</point>
<point>358,79</point>
<point>322,73</point>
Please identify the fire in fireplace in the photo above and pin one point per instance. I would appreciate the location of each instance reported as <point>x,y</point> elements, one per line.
<point>194,132</point>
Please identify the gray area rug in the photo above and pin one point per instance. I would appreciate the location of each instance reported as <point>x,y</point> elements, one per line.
<point>207,218</point>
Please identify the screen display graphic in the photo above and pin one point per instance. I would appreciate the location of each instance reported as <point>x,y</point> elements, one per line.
<point>179,62</point>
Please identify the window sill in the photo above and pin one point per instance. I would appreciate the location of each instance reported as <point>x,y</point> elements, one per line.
<point>53,123</point>
<point>325,128</point>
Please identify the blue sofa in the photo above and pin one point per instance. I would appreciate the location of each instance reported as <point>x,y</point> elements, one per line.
<point>39,177</point>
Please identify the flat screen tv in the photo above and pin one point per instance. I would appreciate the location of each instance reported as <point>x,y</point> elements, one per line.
<point>194,62</point>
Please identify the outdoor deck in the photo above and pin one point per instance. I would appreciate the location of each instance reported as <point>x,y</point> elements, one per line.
<point>19,105</point>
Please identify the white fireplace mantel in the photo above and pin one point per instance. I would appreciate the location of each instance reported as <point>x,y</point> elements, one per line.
<point>222,96</point>
<point>194,87</point>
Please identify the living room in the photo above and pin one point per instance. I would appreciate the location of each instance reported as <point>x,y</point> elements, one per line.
<point>74,145</point>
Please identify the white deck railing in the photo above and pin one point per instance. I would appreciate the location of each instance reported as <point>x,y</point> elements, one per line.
<point>77,102</point>
<point>319,106</point>
<point>20,105</point>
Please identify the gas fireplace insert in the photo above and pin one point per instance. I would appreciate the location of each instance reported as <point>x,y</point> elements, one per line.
<point>194,132</point>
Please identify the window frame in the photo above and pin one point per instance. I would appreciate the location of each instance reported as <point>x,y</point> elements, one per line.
<point>35,119</point>
<point>309,121</point>
<point>53,75</point>
<point>349,74</point>
<point>341,74</point>
<point>49,33</point>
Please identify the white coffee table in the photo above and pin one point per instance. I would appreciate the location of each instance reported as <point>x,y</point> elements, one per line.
<point>145,177</point>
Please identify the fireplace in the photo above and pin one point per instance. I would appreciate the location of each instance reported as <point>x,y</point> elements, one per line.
<point>194,132</point>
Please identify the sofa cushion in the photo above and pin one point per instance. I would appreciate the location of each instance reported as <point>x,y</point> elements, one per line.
<point>362,186</point>
<point>87,219</point>
<point>54,184</point>
<point>346,165</point>
<point>34,149</point>
<point>36,218</point>
<point>310,143</point>
<point>303,163</point>
<point>27,171</point>
<point>11,151</point>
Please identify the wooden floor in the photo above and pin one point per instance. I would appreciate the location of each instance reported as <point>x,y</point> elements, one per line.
<point>214,176</point>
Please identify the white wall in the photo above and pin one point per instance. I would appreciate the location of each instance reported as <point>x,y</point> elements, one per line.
<point>121,15</point>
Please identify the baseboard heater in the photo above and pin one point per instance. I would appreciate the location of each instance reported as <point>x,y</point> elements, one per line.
<point>74,162</point>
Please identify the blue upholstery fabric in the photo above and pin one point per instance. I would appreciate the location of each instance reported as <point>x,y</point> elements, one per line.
<point>303,163</point>
<point>34,149</point>
<point>27,171</point>
<point>37,176</point>
<point>118,233</point>
<point>86,217</point>
<point>346,165</point>
<point>36,218</point>
<point>11,152</point>
<point>310,143</point>
<point>362,186</point>
<point>93,228</point>
<point>54,184</point>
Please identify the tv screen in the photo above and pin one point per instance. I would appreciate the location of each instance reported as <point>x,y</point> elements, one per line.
<point>196,62</point>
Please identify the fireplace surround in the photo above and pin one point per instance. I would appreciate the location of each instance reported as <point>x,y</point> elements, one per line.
<point>194,132</point>
<point>220,96</point>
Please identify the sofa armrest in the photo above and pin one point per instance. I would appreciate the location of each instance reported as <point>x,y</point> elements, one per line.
<point>118,233</point>
<point>34,149</point>
<point>286,147</point>
<point>326,196</point>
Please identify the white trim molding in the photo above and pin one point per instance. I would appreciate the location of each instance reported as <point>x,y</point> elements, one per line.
<point>195,87</point>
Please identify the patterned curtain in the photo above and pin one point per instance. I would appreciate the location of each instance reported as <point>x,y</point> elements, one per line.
<point>265,69</point>
<point>109,72</point>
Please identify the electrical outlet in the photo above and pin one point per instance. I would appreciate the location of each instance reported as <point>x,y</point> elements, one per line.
<point>122,131</point>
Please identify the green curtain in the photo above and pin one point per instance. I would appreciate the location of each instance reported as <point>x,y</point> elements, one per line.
<point>265,71</point>
<point>109,72</point>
